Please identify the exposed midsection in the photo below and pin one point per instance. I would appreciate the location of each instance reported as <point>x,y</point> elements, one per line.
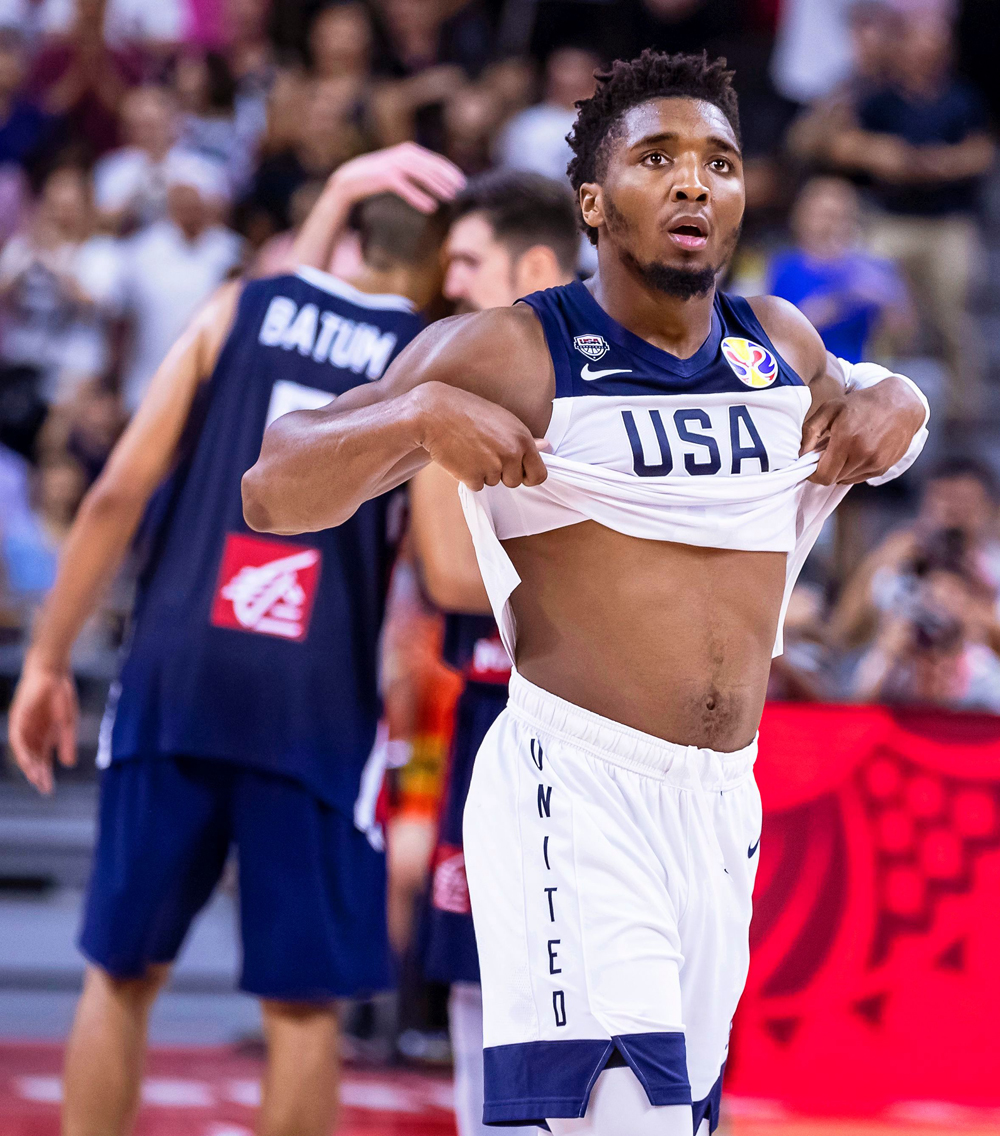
<point>667,638</point>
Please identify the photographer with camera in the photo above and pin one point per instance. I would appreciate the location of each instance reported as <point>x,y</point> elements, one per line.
<point>961,494</point>
<point>932,648</point>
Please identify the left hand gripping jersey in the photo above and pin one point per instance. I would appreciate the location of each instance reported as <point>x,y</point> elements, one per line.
<point>246,647</point>
<point>701,451</point>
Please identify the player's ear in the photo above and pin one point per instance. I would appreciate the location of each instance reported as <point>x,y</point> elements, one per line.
<point>592,204</point>
<point>536,268</point>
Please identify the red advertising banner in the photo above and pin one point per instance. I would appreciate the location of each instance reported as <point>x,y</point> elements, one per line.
<point>875,945</point>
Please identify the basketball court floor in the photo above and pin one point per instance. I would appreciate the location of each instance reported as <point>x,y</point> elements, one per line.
<point>198,1091</point>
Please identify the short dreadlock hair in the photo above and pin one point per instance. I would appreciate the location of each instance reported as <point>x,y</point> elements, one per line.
<point>653,75</point>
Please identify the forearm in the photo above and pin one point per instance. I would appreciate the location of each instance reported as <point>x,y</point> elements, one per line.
<point>93,552</point>
<point>962,160</point>
<point>316,467</point>
<point>314,241</point>
<point>850,148</point>
<point>909,401</point>
<point>443,544</point>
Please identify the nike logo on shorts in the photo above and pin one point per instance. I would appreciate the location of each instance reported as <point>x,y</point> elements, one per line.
<point>752,849</point>
<point>590,375</point>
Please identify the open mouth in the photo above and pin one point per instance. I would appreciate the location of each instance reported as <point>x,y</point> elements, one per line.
<point>689,234</point>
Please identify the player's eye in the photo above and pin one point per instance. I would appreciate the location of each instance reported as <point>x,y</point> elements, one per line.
<point>721,165</point>
<point>655,160</point>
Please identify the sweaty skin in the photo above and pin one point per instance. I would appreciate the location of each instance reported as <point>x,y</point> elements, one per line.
<point>669,639</point>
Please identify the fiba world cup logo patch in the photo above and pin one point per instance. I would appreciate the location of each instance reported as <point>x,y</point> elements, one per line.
<point>753,365</point>
<point>593,346</point>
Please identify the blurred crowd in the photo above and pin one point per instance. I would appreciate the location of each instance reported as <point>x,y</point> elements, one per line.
<point>149,151</point>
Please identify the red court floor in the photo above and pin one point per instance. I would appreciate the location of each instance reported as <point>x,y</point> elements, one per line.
<point>213,1092</point>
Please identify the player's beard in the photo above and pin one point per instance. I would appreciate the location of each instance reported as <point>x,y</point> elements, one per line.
<point>678,283</point>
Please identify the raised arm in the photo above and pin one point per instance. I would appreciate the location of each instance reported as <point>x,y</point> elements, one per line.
<point>43,712</point>
<point>470,393</point>
<point>421,178</point>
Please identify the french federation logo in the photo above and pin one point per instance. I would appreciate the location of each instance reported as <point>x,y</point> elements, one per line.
<point>753,364</point>
<point>593,346</point>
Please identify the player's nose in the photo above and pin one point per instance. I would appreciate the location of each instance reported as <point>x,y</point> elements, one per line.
<point>689,183</point>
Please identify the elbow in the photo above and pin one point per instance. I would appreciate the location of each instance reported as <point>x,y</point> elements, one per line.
<point>255,507</point>
<point>113,496</point>
<point>268,509</point>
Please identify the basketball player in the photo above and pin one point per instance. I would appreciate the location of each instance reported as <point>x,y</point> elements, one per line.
<point>246,709</point>
<point>638,569</point>
<point>512,233</point>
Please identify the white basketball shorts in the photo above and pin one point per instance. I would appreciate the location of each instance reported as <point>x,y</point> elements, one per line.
<point>611,876</point>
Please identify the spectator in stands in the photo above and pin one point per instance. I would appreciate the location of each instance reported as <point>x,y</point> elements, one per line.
<point>40,289</point>
<point>170,267</point>
<point>312,130</point>
<point>960,496</point>
<point>130,184</point>
<point>24,126</point>
<point>424,34</point>
<point>341,42</point>
<point>875,28</point>
<point>78,77</point>
<point>471,117</point>
<point>932,650</point>
<point>535,139</point>
<point>29,560</point>
<point>848,294</point>
<point>250,54</point>
<point>432,51</point>
<point>210,123</point>
<point>94,427</point>
<point>923,141</point>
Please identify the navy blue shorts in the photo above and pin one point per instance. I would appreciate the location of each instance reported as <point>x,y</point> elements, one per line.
<point>450,953</point>
<point>311,887</point>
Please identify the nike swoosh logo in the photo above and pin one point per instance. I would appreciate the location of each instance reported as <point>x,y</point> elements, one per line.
<point>590,375</point>
<point>752,849</point>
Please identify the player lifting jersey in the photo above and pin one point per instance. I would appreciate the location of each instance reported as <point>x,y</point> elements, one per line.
<point>648,446</point>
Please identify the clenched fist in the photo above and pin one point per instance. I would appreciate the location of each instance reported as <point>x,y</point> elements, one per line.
<point>476,441</point>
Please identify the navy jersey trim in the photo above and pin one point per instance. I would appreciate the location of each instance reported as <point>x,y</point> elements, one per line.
<point>592,354</point>
<point>528,1082</point>
<point>588,309</point>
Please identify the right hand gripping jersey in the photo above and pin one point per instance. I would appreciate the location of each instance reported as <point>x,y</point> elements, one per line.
<point>701,451</point>
<point>247,647</point>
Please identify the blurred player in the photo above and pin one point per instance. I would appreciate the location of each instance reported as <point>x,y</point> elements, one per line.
<point>638,566</point>
<point>246,709</point>
<point>513,233</point>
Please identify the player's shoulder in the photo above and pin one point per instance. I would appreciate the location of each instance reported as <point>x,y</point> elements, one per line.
<point>794,337</point>
<point>487,337</point>
<point>499,354</point>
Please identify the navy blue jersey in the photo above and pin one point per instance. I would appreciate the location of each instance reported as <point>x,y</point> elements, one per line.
<point>472,646</point>
<point>251,648</point>
<point>449,948</point>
